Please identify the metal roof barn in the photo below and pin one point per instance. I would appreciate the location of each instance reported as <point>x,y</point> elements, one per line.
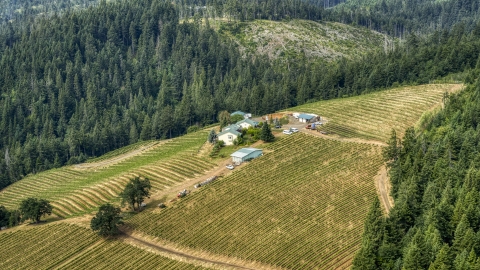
<point>245,154</point>
<point>305,117</point>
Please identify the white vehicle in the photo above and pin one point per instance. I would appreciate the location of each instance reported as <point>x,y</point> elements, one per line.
<point>293,129</point>
<point>287,132</point>
<point>230,167</point>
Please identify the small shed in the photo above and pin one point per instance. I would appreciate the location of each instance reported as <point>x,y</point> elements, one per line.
<point>245,154</point>
<point>246,123</point>
<point>228,136</point>
<point>305,118</point>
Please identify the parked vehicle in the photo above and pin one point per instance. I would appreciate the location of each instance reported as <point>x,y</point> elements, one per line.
<point>230,167</point>
<point>287,132</point>
<point>182,193</point>
<point>293,129</point>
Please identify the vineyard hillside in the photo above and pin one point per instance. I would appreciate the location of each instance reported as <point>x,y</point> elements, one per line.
<point>373,116</point>
<point>296,39</point>
<point>300,206</point>
<point>67,246</point>
<point>82,188</point>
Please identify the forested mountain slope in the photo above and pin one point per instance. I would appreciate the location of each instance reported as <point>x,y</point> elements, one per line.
<point>83,83</point>
<point>436,186</point>
<point>400,17</point>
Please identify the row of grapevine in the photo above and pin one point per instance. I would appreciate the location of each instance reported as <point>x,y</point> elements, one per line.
<point>65,246</point>
<point>43,247</point>
<point>372,116</point>
<point>124,150</point>
<point>73,191</point>
<point>300,206</point>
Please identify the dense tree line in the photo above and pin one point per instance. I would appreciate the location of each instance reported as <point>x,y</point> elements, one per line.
<point>401,17</point>
<point>21,10</point>
<point>435,175</point>
<point>84,83</point>
<point>252,9</point>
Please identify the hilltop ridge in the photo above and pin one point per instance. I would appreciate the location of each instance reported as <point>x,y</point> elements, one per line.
<point>297,39</point>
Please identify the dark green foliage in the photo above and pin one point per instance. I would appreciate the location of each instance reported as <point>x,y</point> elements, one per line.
<point>80,84</point>
<point>106,221</point>
<point>266,133</point>
<point>212,136</point>
<point>34,209</point>
<point>15,218</point>
<point>4,216</point>
<point>400,17</point>
<point>135,192</point>
<point>9,218</point>
<point>391,152</point>
<point>435,222</point>
<point>367,257</point>
<point>235,118</point>
<point>224,119</point>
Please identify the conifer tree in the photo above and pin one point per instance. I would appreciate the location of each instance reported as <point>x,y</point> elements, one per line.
<point>367,256</point>
<point>443,260</point>
<point>211,136</point>
<point>266,134</point>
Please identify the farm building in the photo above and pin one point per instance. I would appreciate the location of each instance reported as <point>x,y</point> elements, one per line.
<point>306,118</point>
<point>228,136</point>
<point>245,154</point>
<point>232,127</point>
<point>246,123</point>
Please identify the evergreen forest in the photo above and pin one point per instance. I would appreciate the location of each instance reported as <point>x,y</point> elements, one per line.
<point>435,179</point>
<point>79,79</point>
<point>82,83</point>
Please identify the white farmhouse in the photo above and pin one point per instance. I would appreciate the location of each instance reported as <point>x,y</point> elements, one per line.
<point>228,136</point>
<point>246,123</point>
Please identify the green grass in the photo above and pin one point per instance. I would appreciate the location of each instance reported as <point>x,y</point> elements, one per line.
<point>300,206</point>
<point>73,191</point>
<point>373,116</point>
<point>66,246</point>
<point>295,39</point>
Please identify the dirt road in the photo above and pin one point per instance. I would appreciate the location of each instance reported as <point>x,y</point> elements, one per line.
<point>382,184</point>
<point>195,259</point>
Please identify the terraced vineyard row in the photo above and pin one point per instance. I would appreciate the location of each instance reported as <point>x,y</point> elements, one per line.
<point>77,191</point>
<point>373,116</point>
<point>123,150</point>
<point>301,206</point>
<point>50,246</point>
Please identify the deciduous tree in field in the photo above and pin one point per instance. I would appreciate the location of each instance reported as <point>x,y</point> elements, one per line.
<point>34,209</point>
<point>135,192</point>
<point>106,220</point>
<point>235,118</point>
<point>224,119</point>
